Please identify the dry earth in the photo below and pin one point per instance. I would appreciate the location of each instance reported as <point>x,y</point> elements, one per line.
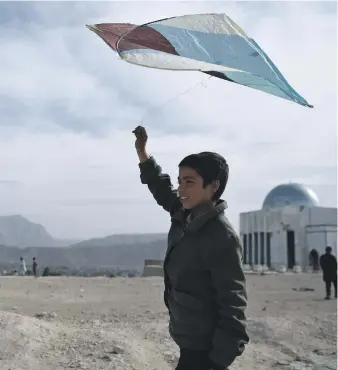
<point>120,323</point>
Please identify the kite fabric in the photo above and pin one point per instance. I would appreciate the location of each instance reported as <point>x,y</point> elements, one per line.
<point>210,43</point>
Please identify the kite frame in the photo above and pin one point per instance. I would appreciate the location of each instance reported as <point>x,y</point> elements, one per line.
<point>190,70</point>
<point>157,68</point>
<point>143,25</point>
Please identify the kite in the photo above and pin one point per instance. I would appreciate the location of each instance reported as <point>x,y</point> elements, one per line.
<point>210,43</point>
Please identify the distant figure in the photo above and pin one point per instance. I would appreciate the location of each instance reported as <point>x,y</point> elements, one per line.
<point>35,267</point>
<point>328,263</point>
<point>23,269</point>
<point>314,260</point>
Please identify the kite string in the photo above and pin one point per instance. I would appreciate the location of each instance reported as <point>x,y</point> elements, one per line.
<point>171,99</point>
<point>175,97</point>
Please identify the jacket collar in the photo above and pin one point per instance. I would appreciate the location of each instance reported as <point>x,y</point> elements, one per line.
<point>199,217</point>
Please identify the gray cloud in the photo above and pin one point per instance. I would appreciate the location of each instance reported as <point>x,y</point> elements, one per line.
<point>68,105</point>
<point>11,182</point>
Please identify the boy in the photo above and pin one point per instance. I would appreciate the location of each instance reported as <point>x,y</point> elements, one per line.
<point>205,287</point>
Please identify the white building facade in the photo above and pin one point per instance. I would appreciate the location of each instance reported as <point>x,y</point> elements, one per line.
<point>290,230</point>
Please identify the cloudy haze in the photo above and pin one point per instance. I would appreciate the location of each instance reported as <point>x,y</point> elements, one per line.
<point>68,106</point>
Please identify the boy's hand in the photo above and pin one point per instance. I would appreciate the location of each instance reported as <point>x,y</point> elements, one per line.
<point>141,139</point>
<point>141,143</point>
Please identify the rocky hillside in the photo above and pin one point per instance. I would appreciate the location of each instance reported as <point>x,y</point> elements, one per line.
<point>122,324</point>
<point>125,256</point>
<point>21,237</point>
<point>16,230</point>
<point>121,239</point>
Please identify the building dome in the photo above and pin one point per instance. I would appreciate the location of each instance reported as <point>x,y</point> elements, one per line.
<point>290,194</point>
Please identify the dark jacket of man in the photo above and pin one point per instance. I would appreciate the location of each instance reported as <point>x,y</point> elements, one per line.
<point>205,286</point>
<point>328,263</point>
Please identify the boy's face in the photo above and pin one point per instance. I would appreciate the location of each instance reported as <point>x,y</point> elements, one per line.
<point>191,190</point>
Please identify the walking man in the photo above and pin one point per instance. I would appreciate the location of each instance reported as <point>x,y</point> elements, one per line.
<point>328,263</point>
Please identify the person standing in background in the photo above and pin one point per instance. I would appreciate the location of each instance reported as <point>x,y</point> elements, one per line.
<point>23,268</point>
<point>35,267</point>
<point>328,263</point>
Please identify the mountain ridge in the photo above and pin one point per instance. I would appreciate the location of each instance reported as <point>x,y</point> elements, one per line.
<point>16,230</point>
<point>113,251</point>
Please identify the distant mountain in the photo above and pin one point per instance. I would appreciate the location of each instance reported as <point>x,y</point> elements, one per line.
<point>20,232</point>
<point>65,242</point>
<point>17,231</point>
<point>21,237</point>
<point>121,239</point>
<point>123,256</point>
<point>2,240</point>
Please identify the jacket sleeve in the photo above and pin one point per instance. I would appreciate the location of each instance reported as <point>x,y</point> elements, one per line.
<point>224,263</point>
<point>159,185</point>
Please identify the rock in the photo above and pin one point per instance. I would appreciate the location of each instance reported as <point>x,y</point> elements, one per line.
<point>282,362</point>
<point>106,358</point>
<point>170,356</point>
<point>303,289</point>
<point>117,350</point>
<point>42,315</point>
<point>323,352</point>
<point>77,365</point>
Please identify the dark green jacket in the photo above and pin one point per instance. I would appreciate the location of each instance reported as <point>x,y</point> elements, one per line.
<point>205,287</point>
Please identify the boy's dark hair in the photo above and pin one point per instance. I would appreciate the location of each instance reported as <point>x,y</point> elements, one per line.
<point>328,249</point>
<point>211,167</point>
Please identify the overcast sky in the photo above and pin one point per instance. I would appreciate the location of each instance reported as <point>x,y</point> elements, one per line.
<point>68,106</point>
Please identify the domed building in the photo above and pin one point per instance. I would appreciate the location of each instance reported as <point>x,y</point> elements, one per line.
<point>291,229</point>
<point>290,194</point>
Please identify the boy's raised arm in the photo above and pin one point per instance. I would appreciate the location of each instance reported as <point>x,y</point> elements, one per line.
<point>158,183</point>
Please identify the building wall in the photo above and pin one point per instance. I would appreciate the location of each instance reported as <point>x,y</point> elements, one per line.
<point>267,232</point>
<point>153,268</point>
<point>320,229</point>
<point>153,271</point>
<point>319,237</point>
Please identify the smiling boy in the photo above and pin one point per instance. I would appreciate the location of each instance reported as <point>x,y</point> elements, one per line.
<point>205,287</point>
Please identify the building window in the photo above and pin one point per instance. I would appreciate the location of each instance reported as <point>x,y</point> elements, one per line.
<point>268,250</point>
<point>256,248</point>
<point>245,248</point>
<point>250,249</point>
<point>262,242</point>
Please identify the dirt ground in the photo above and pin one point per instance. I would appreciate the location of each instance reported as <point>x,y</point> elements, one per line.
<point>61,323</point>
